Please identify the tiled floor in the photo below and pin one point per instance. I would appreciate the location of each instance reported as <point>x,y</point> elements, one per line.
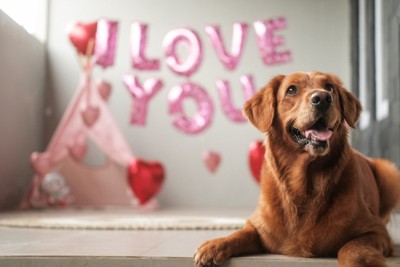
<point>55,247</point>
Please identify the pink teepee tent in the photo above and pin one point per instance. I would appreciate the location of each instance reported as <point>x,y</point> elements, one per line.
<point>60,175</point>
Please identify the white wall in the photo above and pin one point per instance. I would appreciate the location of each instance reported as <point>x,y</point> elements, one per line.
<point>22,74</point>
<point>318,35</point>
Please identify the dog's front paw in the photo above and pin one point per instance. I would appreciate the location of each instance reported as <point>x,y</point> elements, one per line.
<point>213,253</point>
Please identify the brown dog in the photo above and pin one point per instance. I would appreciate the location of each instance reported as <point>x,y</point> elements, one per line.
<point>319,197</point>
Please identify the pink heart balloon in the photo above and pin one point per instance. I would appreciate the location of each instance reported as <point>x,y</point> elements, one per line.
<point>211,160</point>
<point>90,115</point>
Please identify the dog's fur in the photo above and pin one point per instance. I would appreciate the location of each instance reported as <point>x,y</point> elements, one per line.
<point>319,197</point>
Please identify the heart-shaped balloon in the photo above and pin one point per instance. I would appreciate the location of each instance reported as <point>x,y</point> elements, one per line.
<point>212,160</point>
<point>145,179</point>
<point>104,89</point>
<point>256,158</point>
<point>90,115</point>
<point>81,35</point>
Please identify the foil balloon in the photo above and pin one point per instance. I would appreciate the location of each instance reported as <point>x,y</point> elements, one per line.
<point>81,35</point>
<point>211,160</point>
<point>268,42</point>
<point>138,44</point>
<point>224,92</point>
<point>256,158</point>
<point>145,179</point>
<point>106,38</point>
<point>141,96</point>
<point>239,33</point>
<point>193,60</point>
<point>205,109</point>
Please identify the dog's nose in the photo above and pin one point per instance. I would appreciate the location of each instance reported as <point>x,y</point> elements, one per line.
<point>321,100</point>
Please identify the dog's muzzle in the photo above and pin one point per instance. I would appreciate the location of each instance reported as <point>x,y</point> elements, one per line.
<point>317,135</point>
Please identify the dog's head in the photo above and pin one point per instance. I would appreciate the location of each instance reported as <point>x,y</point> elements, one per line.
<point>306,109</point>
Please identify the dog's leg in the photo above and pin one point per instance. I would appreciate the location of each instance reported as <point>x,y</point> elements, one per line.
<point>388,179</point>
<point>217,251</point>
<point>367,250</point>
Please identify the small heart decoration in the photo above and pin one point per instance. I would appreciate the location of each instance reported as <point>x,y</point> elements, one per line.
<point>256,158</point>
<point>212,160</point>
<point>41,162</point>
<point>90,115</point>
<point>78,150</point>
<point>81,34</point>
<point>104,89</point>
<point>145,179</point>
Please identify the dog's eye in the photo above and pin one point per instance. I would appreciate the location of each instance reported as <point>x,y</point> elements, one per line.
<point>292,90</point>
<point>328,87</point>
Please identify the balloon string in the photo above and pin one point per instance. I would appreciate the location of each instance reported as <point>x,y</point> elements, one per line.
<point>85,59</point>
<point>89,53</point>
<point>81,59</point>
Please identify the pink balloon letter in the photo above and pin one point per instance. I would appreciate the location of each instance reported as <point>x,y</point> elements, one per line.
<point>170,43</point>
<point>138,46</point>
<point>238,36</point>
<point>202,119</point>
<point>224,92</point>
<point>268,41</point>
<point>141,96</point>
<point>106,36</point>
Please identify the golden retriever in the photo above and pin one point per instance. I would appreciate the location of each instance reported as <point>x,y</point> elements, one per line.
<point>319,197</point>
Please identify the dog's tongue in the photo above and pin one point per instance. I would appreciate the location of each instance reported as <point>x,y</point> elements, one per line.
<point>319,135</point>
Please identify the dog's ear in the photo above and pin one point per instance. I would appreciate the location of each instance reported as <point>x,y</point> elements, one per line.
<point>260,109</point>
<point>350,107</point>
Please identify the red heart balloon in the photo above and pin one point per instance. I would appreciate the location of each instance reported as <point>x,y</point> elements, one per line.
<point>81,34</point>
<point>256,158</point>
<point>145,179</point>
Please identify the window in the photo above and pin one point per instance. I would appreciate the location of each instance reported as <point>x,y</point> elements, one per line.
<point>30,14</point>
